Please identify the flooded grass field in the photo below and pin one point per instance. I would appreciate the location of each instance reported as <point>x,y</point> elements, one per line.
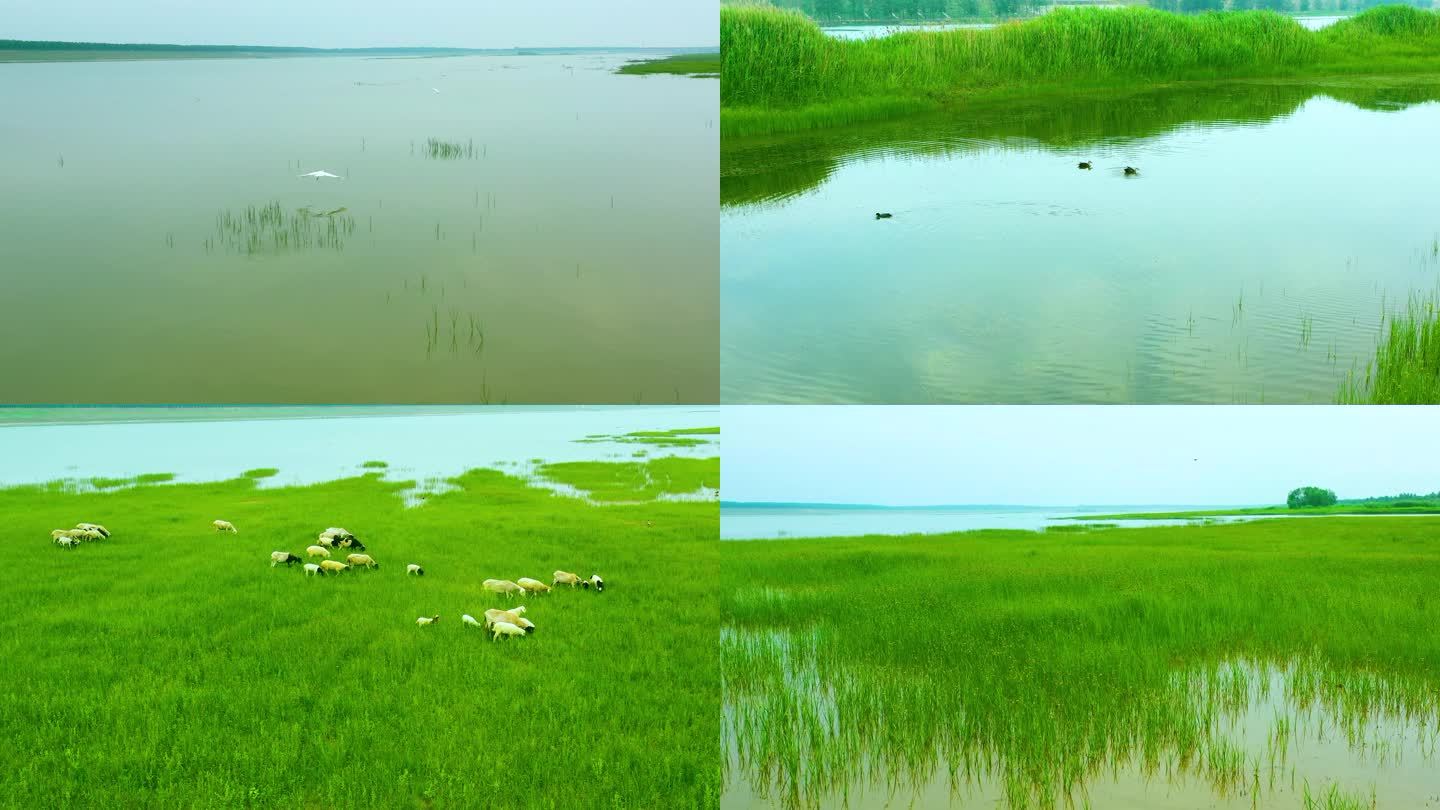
<point>1272,230</point>
<point>1274,664</point>
<point>477,229</point>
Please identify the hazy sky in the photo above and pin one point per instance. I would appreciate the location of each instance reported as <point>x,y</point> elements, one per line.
<point>368,23</point>
<point>1074,455</point>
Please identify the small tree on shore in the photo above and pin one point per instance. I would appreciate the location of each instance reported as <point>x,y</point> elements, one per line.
<point>1302,497</point>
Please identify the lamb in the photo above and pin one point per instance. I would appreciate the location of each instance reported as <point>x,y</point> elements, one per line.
<point>566,578</point>
<point>224,526</point>
<point>333,566</point>
<point>505,629</point>
<point>597,583</point>
<point>532,585</point>
<point>503,586</point>
<point>412,568</point>
<point>66,542</point>
<point>362,559</point>
<point>278,557</point>
<point>470,620</point>
<point>104,532</point>
<point>424,620</point>
<point>312,568</point>
<point>317,551</point>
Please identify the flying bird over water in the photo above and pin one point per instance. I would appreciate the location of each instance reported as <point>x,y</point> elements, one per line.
<point>319,174</point>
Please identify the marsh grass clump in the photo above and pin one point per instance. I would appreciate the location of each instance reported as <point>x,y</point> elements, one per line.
<point>1406,368</point>
<point>436,149</point>
<point>1037,664</point>
<point>781,72</point>
<point>271,229</point>
<point>634,481</point>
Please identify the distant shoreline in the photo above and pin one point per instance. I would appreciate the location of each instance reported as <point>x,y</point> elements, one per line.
<point>12,50</point>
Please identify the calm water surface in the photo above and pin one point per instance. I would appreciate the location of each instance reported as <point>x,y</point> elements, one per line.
<point>769,523</point>
<point>1270,228</point>
<point>321,444</point>
<point>567,255</point>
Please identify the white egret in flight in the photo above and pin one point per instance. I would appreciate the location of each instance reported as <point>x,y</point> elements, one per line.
<point>319,174</point>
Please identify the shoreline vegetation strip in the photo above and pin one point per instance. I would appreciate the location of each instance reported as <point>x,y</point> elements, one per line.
<point>782,73</point>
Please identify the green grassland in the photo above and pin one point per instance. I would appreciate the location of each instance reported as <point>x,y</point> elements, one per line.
<point>699,65</point>
<point>173,666</point>
<point>632,481</point>
<point>1042,662</point>
<point>782,73</point>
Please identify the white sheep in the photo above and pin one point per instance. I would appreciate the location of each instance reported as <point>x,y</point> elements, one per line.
<point>73,534</point>
<point>503,586</point>
<point>333,566</point>
<point>223,526</point>
<point>505,629</point>
<point>95,527</point>
<point>597,583</point>
<point>532,585</point>
<point>91,534</point>
<point>312,568</point>
<point>325,540</point>
<point>424,620</point>
<point>494,615</point>
<point>66,542</point>
<point>470,620</point>
<point>278,557</point>
<point>362,559</point>
<point>412,568</point>
<point>566,578</point>
<point>317,551</point>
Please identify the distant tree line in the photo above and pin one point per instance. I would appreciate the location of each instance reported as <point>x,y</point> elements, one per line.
<point>938,10</point>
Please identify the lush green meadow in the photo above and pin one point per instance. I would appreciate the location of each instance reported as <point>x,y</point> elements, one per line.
<point>1039,666</point>
<point>173,666</point>
<point>782,73</point>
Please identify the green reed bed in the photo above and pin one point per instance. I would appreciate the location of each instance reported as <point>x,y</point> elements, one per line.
<point>1039,664</point>
<point>272,229</point>
<point>781,72</point>
<point>172,666</point>
<point>632,481</point>
<point>700,65</point>
<point>436,149</point>
<point>1406,368</point>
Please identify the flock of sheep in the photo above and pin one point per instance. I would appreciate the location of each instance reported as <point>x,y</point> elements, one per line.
<point>511,622</point>
<point>82,533</point>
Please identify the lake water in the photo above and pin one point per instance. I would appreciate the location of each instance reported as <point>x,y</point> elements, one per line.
<point>771,523</point>
<point>1251,260</point>
<point>566,254</point>
<point>321,444</point>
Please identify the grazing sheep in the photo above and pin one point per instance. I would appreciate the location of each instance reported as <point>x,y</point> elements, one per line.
<point>505,629</point>
<point>66,542</point>
<point>325,540</point>
<point>224,526</point>
<point>525,624</point>
<point>494,615</point>
<point>312,568</point>
<point>470,620</point>
<point>424,620</point>
<point>338,533</point>
<point>412,568</point>
<point>73,534</point>
<point>278,557</point>
<point>104,532</point>
<point>317,551</point>
<point>362,559</point>
<point>350,542</point>
<point>333,566</point>
<point>597,583</point>
<point>91,534</point>
<point>567,578</point>
<point>503,586</point>
<point>532,585</point>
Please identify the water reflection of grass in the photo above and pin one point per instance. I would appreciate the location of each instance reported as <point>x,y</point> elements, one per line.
<point>437,149</point>
<point>1041,663</point>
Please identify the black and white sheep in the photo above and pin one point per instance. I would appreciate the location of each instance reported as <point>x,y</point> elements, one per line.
<point>424,620</point>
<point>412,568</point>
<point>285,557</point>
